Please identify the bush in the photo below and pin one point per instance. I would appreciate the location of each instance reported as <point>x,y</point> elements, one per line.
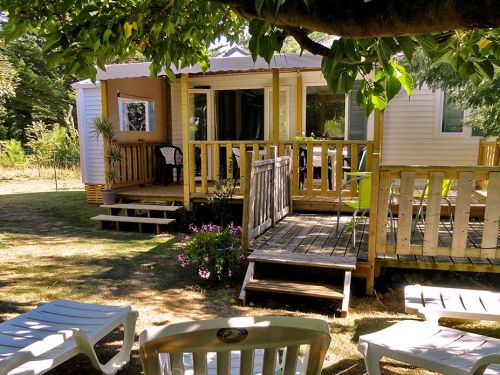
<point>12,154</point>
<point>213,250</point>
<point>51,144</point>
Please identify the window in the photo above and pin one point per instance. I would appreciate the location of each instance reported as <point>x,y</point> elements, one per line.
<point>452,117</point>
<point>136,114</point>
<point>239,114</point>
<point>325,113</point>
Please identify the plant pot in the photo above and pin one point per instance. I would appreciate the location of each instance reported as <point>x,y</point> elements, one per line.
<point>108,196</point>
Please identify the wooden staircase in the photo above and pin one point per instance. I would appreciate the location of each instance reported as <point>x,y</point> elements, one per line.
<point>256,281</point>
<point>136,213</point>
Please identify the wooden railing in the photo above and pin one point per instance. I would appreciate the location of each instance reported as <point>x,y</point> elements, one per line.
<point>138,164</point>
<point>322,161</point>
<point>216,160</point>
<point>464,177</point>
<point>267,197</point>
<point>489,155</point>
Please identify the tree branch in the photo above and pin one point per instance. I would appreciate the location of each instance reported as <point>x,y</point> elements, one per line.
<point>362,19</point>
<point>305,42</point>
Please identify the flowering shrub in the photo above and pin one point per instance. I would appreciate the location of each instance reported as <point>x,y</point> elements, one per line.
<point>212,249</point>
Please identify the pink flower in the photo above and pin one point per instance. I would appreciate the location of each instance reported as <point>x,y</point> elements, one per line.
<point>183,260</point>
<point>206,259</point>
<point>204,274</point>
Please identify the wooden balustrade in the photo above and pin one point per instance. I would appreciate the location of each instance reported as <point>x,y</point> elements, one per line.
<point>138,163</point>
<point>267,197</point>
<point>216,160</point>
<point>321,160</point>
<point>430,245</point>
<point>489,155</point>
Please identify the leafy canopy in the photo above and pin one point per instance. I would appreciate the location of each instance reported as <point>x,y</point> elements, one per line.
<point>83,34</point>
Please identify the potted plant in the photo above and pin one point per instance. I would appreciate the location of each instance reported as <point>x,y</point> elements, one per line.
<point>213,250</point>
<point>112,155</point>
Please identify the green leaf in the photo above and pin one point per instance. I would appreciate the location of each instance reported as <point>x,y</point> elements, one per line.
<point>383,53</point>
<point>427,43</point>
<point>257,27</point>
<point>407,82</point>
<point>258,6</point>
<point>379,102</point>
<point>392,87</point>
<point>485,68</point>
<point>106,35</point>
<point>379,75</point>
<point>407,46</point>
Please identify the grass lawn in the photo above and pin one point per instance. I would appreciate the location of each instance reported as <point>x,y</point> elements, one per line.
<point>50,249</point>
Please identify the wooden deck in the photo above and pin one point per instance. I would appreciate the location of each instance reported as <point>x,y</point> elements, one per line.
<point>310,203</point>
<point>314,234</point>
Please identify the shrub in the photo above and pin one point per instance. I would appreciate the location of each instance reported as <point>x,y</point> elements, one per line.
<point>212,249</point>
<point>12,153</point>
<point>220,199</point>
<point>53,143</point>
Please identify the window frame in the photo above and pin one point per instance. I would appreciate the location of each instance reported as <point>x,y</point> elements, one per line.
<point>146,101</point>
<point>439,116</point>
<point>268,123</point>
<point>305,85</point>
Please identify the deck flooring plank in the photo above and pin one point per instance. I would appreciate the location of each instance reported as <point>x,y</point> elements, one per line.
<point>274,234</point>
<point>327,231</point>
<point>302,235</point>
<point>344,240</point>
<point>315,233</point>
<point>301,223</point>
<point>332,241</point>
<point>290,230</point>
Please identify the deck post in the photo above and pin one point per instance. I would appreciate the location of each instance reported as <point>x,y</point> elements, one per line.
<point>247,204</point>
<point>105,116</point>
<point>276,107</point>
<point>298,131</point>
<point>142,162</point>
<point>376,161</point>
<point>185,139</point>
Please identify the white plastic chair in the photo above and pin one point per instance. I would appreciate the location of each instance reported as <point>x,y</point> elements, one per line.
<point>430,346</point>
<point>433,303</point>
<point>234,346</point>
<point>39,340</point>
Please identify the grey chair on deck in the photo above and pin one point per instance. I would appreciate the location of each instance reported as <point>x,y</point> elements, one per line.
<point>172,156</point>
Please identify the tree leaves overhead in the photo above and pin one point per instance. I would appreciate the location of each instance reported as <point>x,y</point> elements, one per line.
<point>85,34</point>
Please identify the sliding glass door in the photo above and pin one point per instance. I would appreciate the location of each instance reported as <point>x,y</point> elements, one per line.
<point>201,125</point>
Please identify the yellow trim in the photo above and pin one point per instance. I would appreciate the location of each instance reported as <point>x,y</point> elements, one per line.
<point>104,99</point>
<point>276,106</point>
<point>299,105</point>
<point>185,137</point>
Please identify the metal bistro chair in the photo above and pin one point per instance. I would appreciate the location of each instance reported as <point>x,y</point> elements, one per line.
<point>361,202</point>
<point>316,169</point>
<point>445,189</point>
<point>172,156</point>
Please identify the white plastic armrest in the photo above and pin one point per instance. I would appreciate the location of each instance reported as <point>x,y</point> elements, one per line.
<point>32,351</point>
<point>485,361</point>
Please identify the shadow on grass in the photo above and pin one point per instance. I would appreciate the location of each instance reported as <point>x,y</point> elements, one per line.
<point>65,214</point>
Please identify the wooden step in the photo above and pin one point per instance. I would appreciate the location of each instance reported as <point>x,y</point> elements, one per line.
<point>133,219</point>
<point>295,288</point>
<point>298,259</point>
<point>144,207</point>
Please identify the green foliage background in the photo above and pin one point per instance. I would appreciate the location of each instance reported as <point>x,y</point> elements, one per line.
<point>37,92</point>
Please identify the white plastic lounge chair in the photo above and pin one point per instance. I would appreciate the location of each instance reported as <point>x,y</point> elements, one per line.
<point>235,346</point>
<point>435,348</point>
<point>433,303</point>
<point>39,340</point>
